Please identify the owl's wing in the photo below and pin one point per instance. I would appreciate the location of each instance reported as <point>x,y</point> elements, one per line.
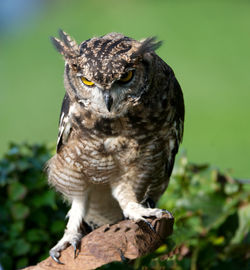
<point>64,123</point>
<point>180,108</point>
<point>177,102</point>
<point>175,95</point>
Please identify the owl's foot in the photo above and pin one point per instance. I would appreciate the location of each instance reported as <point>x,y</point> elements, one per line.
<point>137,212</point>
<point>69,238</point>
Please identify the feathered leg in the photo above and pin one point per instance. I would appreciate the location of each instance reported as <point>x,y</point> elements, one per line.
<point>72,235</point>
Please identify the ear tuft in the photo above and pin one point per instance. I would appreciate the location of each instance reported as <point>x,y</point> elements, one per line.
<point>57,44</point>
<point>68,41</point>
<point>150,44</point>
<point>147,45</point>
<point>66,46</point>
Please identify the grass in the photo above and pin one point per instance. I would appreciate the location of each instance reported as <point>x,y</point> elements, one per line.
<point>205,42</point>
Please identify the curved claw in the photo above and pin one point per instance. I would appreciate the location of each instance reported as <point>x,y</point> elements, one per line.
<point>55,259</point>
<point>150,225</point>
<point>167,212</point>
<point>150,203</point>
<point>123,258</point>
<point>75,250</point>
<point>74,244</point>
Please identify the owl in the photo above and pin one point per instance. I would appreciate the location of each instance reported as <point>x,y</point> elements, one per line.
<point>120,127</point>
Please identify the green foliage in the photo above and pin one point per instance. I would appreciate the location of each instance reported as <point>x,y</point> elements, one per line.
<point>31,214</point>
<point>212,216</point>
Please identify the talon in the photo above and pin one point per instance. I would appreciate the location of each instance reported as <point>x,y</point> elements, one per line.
<point>149,203</point>
<point>55,259</point>
<point>124,259</point>
<point>167,212</point>
<point>149,224</point>
<point>75,249</point>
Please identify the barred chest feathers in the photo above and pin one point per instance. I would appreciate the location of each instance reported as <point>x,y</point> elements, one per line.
<point>112,144</point>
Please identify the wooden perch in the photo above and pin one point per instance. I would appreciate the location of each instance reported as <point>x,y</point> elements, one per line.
<point>124,240</point>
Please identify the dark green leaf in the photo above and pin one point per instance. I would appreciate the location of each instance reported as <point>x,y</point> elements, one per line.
<point>19,211</point>
<point>17,191</point>
<point>37,235</point>
<point>21,247</point>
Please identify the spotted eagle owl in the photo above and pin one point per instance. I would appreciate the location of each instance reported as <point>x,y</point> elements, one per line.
<point>120,128</point>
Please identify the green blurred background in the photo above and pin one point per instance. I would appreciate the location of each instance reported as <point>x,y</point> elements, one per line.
<point>207,43</point>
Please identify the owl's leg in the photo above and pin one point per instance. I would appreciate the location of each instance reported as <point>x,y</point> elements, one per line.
<point>72,235</point>
<point>132,209</point>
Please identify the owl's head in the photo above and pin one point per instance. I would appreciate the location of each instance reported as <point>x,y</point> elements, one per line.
<point>107,74</point>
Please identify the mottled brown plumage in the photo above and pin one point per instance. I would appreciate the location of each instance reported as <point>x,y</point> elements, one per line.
<point>120,128</point>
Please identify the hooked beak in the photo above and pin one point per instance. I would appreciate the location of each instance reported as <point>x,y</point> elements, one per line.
<point>108,100</point>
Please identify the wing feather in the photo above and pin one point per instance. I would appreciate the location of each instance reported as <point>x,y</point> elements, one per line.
<point>64,123</point>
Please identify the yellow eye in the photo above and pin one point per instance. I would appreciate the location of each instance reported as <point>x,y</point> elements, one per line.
<point>126,77</point>
<point>86,81</point>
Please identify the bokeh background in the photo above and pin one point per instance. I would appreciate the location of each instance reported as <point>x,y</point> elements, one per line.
<point>207,43</point>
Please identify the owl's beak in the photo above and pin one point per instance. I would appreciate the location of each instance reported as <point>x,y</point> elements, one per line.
<point>108,100</point>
